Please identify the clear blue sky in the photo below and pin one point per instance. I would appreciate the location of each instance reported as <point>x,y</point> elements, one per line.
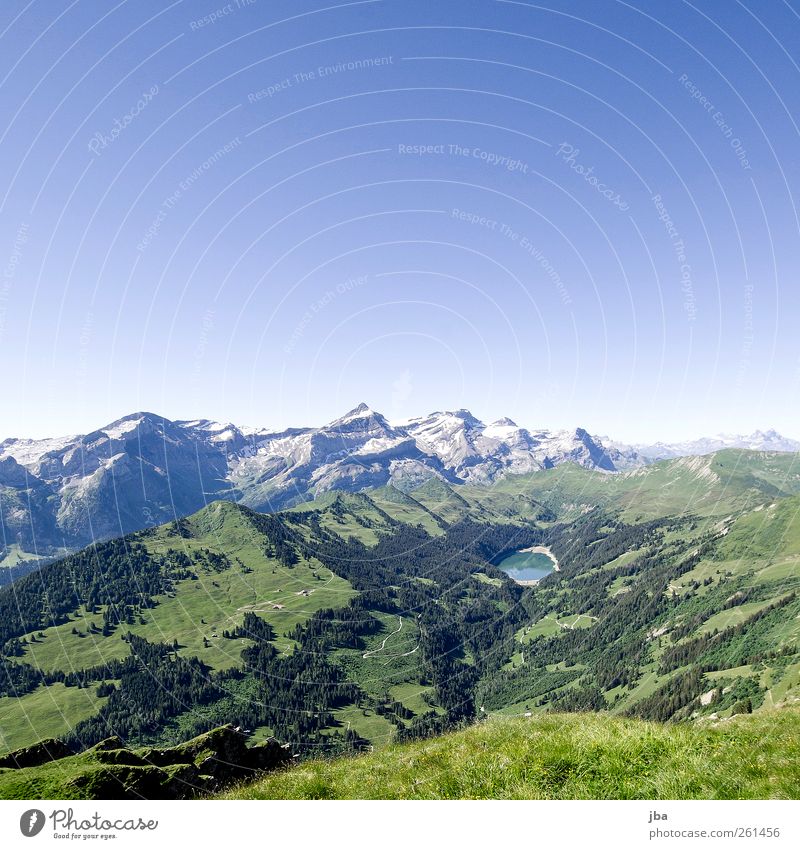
<point>573,214</point>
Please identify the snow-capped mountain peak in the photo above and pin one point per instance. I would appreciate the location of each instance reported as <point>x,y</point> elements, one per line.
<point>362,411</point>
<point>143,469</point>
<point>361,420</point>
<point>120,428</point>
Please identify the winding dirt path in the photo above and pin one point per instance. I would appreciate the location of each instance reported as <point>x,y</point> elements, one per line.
<point>383,644</point>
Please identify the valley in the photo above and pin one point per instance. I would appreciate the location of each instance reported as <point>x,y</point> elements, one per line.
<point>58,495</point>
<point>362,620</point>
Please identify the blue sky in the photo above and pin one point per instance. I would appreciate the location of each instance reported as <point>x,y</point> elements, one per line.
<point>569,213</point>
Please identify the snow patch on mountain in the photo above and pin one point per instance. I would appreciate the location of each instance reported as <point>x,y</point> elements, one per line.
<point>120,428</point>
<point>144,469</point>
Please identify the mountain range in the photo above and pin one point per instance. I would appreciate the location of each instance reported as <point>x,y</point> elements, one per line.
<point>143,469</point>
<point>366,619</point>
<point>759,440</point>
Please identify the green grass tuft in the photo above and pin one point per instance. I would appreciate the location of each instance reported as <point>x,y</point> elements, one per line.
<point>565,756</point>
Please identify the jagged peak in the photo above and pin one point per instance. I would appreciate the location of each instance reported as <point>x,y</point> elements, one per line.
<point>142,415</point>
<point>463,414</point>
<point>362,411</point>
<point>120,428</point>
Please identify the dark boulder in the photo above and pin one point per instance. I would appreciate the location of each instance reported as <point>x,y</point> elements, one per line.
<point>36,755</point>
<point>110,770</point>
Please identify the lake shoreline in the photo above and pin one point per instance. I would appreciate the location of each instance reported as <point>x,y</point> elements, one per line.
<point>528,580</point>
<point>542,549</point>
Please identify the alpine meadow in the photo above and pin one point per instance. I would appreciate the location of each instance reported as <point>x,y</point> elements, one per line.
<point>368,617</point>
<point>401,404</point>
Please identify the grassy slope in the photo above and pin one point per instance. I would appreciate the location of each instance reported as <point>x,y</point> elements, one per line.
<point>201,609</point>
<point>763,544</point>
<point>758,551</point>
<point>46,712</point>
<point>565,756</point>
<point>16,554</point>
<point>218,598</point>
<point>111,771</point>
<point>714,485</point>
<point>761,548</point>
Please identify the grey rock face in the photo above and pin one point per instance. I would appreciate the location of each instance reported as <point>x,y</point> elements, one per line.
<point>143,469</point>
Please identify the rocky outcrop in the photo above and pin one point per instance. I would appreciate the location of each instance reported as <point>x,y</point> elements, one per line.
<point>144,470</point>
<point>110,770</point>
<point>40,753</point>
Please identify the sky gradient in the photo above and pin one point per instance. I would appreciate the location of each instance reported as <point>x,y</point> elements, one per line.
<point>568,213</point>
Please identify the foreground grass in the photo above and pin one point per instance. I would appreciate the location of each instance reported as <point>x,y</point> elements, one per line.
<point>565,756</point>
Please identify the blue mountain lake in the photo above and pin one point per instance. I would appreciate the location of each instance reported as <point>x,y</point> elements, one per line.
<point>526,565</point>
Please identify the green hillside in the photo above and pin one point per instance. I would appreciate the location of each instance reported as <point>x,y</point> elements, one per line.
<point>712,485</point>
<point>564,756</point>
<point>234,576</point>
<point>238,610</point>
<point>366,619</point>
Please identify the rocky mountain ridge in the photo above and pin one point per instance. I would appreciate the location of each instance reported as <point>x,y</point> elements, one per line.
<point>143,469</point>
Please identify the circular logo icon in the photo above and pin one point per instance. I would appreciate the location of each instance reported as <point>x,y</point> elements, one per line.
<point>31,822</point>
